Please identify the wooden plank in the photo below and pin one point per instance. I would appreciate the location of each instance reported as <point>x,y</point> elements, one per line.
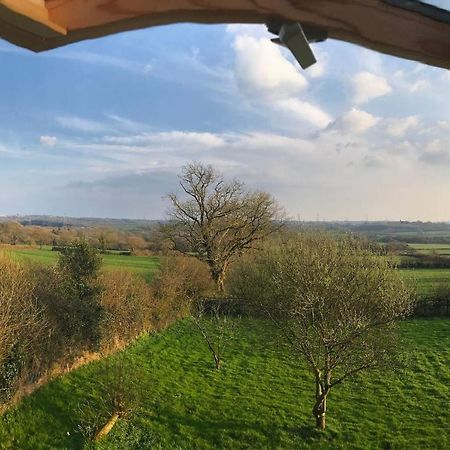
<point>30,16</point>
<point>375,24</point>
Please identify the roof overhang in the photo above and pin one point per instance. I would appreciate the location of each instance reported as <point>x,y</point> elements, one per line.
<point>404,28</point>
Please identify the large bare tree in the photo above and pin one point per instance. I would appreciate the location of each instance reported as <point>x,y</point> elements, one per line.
<point>335,302</point>
<point>217,220</point>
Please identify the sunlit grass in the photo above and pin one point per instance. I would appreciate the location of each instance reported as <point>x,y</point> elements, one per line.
<point>261,398</point>
<point>142,265</point>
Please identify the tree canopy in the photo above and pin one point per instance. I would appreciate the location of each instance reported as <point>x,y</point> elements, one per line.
<point>335,300</point>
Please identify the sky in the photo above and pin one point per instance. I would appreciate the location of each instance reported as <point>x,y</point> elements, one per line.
<point>102,128</point>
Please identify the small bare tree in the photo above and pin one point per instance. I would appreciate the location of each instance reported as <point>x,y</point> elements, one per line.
<point>219,220</point>
<point>335,302</point>
<point>216,326</point>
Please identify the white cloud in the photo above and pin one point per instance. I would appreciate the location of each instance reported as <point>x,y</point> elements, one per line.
<point>49,141</point>
<point>367,86</point>
<point>4,150</point>
<point>317,70</point>
<point>444,125</point>
<point>304,111</point>
<point>398,127</point>
<point>419,85</point>
<point>261,69</point>
<point>171,139</point>
<point>80,124</point>
<point>273,84</point>
<point>354,121</point>
<point>101,59</point>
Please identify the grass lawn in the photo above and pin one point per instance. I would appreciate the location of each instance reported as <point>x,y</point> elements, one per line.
<point>426,280</point>
<point>428,249</point>
<point>261,398</point>
<point>143,265</point>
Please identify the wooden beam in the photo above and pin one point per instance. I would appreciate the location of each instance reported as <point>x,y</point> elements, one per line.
<point>31,16</point>
<point>380,25</point>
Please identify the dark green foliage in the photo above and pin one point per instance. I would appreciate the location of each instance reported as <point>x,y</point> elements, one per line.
<point>79,267</point>
<point>81,262</point>
<point>10,371</point>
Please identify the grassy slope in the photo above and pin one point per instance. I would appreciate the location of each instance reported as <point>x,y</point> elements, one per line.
<point>260,399</point>
<point>143,265</point>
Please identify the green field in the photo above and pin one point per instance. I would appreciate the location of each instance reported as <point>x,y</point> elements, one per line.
<point>428,249</point>
<point>425,281</point>
<point>261,398</point>
<point>142,265</point>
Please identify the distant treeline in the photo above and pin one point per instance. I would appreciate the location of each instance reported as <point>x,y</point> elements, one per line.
<point>425,262</point>
<point>59,221</point>
<point>387,231</point>
<point>100,237</point>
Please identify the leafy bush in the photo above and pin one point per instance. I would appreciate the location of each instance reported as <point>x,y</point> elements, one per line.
<point>78,270</point>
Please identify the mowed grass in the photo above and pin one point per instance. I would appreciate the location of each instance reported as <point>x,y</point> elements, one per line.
<point>428,249</point>
<point>142,265</point>
<point>260,399</point>
<point>426,281</point>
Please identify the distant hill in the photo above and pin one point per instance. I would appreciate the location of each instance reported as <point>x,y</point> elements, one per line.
<point>382,231</point>
<point>80,222</point>
<point>386,231</point>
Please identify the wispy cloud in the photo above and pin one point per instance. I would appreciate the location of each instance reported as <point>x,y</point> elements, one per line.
<point>368,86</point>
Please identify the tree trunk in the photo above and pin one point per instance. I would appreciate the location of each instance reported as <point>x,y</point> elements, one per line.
<point>218,276</point>
<point>320,408</point>
<point>107,428</point>
<point>221,282</point>
<point>319,412</point>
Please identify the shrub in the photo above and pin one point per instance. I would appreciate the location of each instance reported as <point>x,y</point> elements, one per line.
<point>128,307</point>
<point>22,326</point>
<point>181,281</point>
<point>78,269</point>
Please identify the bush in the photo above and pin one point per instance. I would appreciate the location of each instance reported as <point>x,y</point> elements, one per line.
<point>128,308</point>
<point>22,327</point>
<point>50,316</point>
<point>182,281</point>
<point>78,270</point>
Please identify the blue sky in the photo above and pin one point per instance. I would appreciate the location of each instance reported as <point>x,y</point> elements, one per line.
<point>101,128</point>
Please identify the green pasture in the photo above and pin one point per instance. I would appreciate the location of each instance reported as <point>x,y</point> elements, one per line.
<point>428,249</point>
<point>426,281</point>
<point>142,265</point>
<point>260,399</point>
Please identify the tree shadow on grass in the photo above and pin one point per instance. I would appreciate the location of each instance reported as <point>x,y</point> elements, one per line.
<point>243,431</point>
<point>310,433</point>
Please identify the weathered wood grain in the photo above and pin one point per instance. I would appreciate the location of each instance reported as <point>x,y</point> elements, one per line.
<point>370,23</point>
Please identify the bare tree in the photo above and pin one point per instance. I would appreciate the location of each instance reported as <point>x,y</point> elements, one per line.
<point>216,327</point>
<point>219,220</point>
<point>335,302</point>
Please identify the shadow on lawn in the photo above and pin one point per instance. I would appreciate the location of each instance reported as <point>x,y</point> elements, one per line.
<point>244,432</point>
